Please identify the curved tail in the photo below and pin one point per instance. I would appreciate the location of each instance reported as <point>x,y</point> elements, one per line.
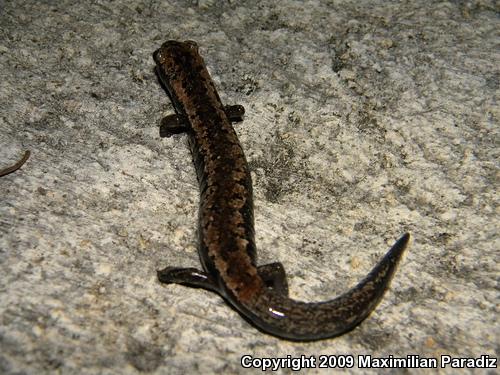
<point>275,313</point>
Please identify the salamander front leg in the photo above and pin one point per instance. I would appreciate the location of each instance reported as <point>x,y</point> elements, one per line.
<point>187,276</point>
<point>172,124</point>
<point>274,277</point>
<point>176,124</point>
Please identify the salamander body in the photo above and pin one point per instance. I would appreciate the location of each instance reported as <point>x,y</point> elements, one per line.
<point>226,223</point>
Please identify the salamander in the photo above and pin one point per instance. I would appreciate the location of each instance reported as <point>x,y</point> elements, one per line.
<point>226,244</point>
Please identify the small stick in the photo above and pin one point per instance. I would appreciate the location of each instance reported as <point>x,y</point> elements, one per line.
<point>16,166</point>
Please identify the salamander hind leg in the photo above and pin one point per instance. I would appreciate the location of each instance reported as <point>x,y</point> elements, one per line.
<point>274,277</point>
<point>187,276</point>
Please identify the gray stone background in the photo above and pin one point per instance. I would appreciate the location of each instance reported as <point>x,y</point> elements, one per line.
<point>364,119</point>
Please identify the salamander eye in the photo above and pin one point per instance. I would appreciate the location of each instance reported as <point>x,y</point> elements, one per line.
<point>158,56</point>
<point>192,44</point>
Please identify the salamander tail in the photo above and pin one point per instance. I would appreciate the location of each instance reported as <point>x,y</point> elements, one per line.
<point>275,313</point>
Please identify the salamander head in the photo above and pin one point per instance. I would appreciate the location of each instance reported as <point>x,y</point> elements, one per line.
<point>173,48</point>
<point>175,61</point>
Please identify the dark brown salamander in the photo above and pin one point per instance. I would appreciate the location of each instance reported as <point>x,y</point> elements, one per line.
<point>226,229</point>
<point>16,166</point>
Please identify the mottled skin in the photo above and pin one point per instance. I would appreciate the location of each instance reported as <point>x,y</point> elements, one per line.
<point>226,229</point>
